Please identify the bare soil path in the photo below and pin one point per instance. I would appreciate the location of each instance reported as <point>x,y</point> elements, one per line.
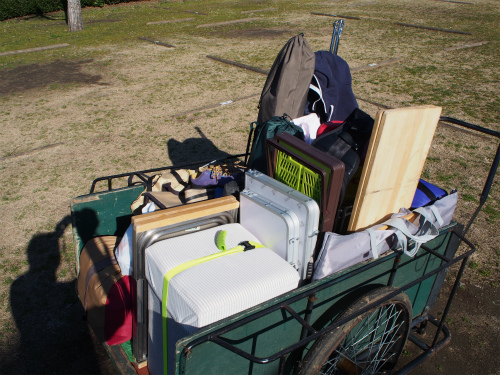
<point>141,105</point>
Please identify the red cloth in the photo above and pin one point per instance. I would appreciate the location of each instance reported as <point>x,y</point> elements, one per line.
<point>119,311</point>
<point>327,127</point>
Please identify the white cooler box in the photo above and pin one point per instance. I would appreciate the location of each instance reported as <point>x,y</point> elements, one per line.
<point>209,291</point>
<point>295,203</point>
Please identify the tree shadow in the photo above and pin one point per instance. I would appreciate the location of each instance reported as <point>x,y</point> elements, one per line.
<point>53,336</point>
<point>53,74</point>
<point>38,12</point>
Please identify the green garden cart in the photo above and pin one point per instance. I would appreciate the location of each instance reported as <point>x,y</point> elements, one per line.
<point>356,321</point>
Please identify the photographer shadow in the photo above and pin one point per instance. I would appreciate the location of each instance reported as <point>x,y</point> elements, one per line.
<point>53,337</point>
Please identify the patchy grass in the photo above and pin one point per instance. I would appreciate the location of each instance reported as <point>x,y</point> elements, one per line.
<point>116,103</point>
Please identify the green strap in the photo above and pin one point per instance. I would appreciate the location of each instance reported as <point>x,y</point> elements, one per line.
<point>184,266</point>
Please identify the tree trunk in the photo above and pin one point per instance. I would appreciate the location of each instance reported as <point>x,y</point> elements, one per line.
<point>75,19</point>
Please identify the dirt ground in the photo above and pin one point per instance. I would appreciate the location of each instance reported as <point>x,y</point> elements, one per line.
<point>68,122</point>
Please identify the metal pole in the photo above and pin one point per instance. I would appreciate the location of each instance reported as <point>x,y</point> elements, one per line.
<point>338,26</point>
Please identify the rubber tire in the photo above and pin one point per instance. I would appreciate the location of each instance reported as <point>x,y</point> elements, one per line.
<point>320,353</point>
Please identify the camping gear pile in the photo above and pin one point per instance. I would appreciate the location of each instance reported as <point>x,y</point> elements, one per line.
<point>325,186</point>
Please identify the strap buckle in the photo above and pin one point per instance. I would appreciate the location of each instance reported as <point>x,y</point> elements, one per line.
<point>247,245</point>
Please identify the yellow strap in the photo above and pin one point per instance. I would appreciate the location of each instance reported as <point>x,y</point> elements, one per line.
<point>176,270</point>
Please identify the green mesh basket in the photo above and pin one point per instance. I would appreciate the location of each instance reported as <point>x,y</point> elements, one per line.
<point>297,176</point>
<point>288,171</point>
<point>310,184</point>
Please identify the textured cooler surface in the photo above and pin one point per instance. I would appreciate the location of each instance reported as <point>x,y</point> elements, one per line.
<point>219,288</point>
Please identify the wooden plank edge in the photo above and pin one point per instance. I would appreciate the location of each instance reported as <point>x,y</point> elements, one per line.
<point>180,218</point>
<point>362,181</point>
<point>432,28</point>
<point>171,21</point>
<point>145,222</point>
<point>24,153</point>
<point>258,10</point>
<point>377,65</point>
<point>456,2</point>
<point>463,46</point>
<point>215,105</point>
<point>156,42</point>
<point>141,368</point>
<point>374,140</point>
<point>335,15</point>
<point>230,22</point>
<point>239,65</point>
<point>36,49</point>
<point>411,217</point>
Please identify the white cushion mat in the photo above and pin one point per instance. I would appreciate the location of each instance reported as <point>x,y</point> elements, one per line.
<point>218,288</point>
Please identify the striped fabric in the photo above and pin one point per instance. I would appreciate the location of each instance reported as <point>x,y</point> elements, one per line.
<point>210,291</point>
<point>217,289</point>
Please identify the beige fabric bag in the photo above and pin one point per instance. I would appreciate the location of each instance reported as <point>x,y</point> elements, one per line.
<point>107,296</point>
<point>172,181</point>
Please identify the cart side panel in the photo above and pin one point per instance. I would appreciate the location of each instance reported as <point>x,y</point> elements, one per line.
<point>451,250</point>
<point>414,268</point>
<point>261,337</point>
<point>106,213</point>
<point>272,332</point>
<point>333,300</point>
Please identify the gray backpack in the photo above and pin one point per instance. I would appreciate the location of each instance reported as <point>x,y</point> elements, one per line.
<point>287,84</point>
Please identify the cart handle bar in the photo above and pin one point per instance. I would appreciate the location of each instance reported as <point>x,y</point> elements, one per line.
<point>493,168</point>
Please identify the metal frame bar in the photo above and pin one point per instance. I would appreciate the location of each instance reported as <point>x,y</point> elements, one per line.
<point>338,26</point>
<point>493,168</point>
<point>143,241</point>
<point>144,176</point>
<point>437,344</point>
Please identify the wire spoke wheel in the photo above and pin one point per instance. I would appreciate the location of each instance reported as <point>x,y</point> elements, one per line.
<point>368,344</point>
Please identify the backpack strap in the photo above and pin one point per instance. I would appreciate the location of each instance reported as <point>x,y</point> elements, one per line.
<point>316,87</point>
<point>253,125</point>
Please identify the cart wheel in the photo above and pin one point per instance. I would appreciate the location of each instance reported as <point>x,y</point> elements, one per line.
<point>368,344</point>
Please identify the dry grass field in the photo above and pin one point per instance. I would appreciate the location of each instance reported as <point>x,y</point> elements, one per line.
<point>109,102</point>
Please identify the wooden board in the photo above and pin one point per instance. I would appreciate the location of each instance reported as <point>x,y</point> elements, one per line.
<point>153,220</point>
<point>396,155</point>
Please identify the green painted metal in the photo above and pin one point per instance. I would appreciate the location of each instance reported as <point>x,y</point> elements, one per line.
<point>422,263</point>
<point>127,349</point>
<point>269,334</point>
<point>101,214</point>
<point>108,213</point>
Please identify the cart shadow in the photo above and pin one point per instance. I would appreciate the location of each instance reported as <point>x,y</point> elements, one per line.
<point>193,150</point>
<point>53,337</point>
